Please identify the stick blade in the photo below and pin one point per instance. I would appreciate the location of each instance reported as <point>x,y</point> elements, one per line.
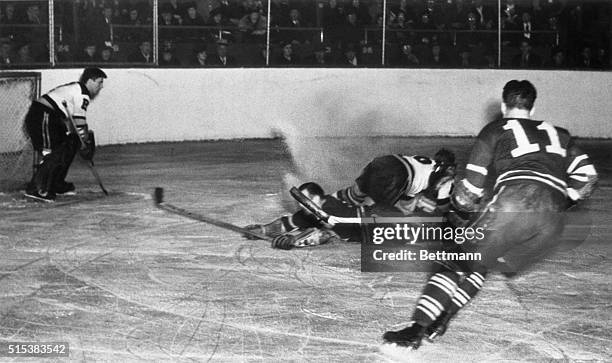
<point>158,195</point>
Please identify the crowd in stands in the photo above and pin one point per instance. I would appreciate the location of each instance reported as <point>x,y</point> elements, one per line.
<point>347,33</point>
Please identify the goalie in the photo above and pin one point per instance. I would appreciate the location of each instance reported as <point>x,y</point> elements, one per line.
<point>302,228</point>
<point>54,139</point>
<point>391,185</point>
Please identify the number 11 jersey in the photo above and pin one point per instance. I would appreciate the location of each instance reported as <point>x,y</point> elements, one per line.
<point>514,150</point>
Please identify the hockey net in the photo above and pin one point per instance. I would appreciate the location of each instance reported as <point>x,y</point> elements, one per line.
<point>17,90</point>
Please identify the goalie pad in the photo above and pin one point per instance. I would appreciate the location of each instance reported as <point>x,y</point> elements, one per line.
<point>304,238</point>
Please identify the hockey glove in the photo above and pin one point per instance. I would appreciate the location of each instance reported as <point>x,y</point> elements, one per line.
<point>464,199</point>
<point>88,152</point>
<point>304,238</point>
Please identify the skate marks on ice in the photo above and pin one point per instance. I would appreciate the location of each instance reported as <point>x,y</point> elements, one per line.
<point>124,282</point>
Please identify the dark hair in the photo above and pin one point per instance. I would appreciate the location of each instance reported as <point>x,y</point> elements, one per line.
<point>91,73</point>
<point>312,188</point>
<point>519,94</point>
<point>444,157</point>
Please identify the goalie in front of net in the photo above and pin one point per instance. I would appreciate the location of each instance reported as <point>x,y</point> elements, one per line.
<point>54,138</point>
<point>391,185</point>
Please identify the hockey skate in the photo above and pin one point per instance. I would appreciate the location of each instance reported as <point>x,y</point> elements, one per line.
<point>438,327</point>
<point>64,188</point>
<point>409,337</point>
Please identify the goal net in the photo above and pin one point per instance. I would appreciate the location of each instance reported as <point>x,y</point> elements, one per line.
<point>17,90</point>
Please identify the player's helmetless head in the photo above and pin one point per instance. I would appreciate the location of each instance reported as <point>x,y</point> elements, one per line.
<point>518,96</point>
<point>314,192</point>
<point>93,79</point>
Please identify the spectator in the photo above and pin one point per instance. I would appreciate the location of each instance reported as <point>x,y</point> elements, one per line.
<point>167,22</point>
<point>104,27</point>
<point>321,56</point>
<point>408,9</point>
<point>585,59</point>
<point>133,17</point>
<point>193,17</point>
<point>407,57</point>
<point>436,58</point>
<point>601,58</point>
<point>294,20</point>
<point>135,20</point>
<point>485,16</point>
<point>526,25</point>
<point>90,52</point>
<point>220,23</point>
<point>6,58</point>
<point>229,11</point>
<point>142,54</point>
<point>286,58</point>
<point>526,59</point>
<point>166,18</point>
<point>200,58</point>
<point>465,58</point>
<point>222,59</point>
<point>401,28</point>
<point>557,60</point>
<point>10,15</point>
<point>352,31</point>
<point>334,17</point>
<point>253,27</point>
<point>361,11</point>
<point>458,12</point>
<point>350,57</point>
<point>472,36</point>
<point>176,10</point>
<point>33,15</point>
<point>24,55</point>
<point>279,12</point>
<point>249,6</point>
<point>168,59</point>
<point>107,54</point>
<point>63,53</point>
<point>435,16</point>
<point>510,16</point>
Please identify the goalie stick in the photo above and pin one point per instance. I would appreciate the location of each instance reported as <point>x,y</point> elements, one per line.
<point>89,163</point>
<point>158,199</point>
<point>328,218</point>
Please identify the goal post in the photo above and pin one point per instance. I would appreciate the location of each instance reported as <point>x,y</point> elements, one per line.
<point>17,90</point>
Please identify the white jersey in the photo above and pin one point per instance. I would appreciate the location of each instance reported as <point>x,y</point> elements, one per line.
<point>422,168</point>
<point>71,98</point>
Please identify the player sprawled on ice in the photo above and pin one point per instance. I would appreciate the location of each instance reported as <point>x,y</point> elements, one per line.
<point>388,185</point>
<point>538,173</point>
<point>54,139</point>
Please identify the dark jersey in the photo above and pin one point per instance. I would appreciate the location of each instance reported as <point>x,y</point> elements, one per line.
<point>302,220</point>
<point>526,150</point>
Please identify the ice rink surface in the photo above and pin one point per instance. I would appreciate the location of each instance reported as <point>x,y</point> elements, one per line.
<point>123,281</point>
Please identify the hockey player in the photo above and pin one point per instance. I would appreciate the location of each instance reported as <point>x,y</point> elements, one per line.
<point>411,184</point>
<point>288,230</point>
<point>538,170</point>
<point>53,136</point>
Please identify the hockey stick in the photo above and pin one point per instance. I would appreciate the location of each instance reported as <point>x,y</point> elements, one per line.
<point>327,218</point>
<point>89,163</point>
<point>158,199</point>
